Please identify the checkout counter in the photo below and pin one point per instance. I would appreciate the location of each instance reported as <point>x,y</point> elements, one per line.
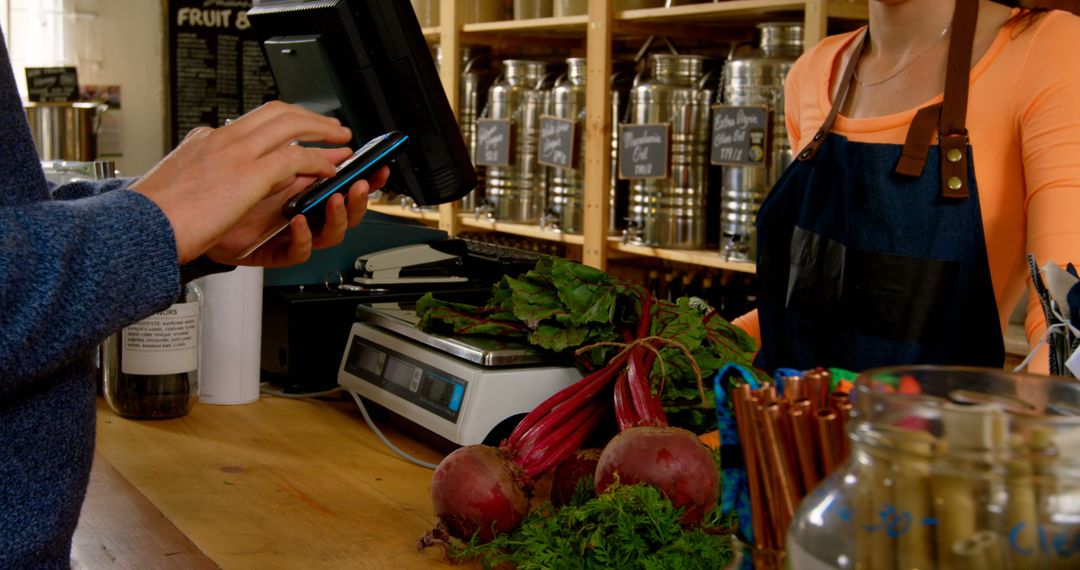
<point>300,483</point>
<point>276,484</point>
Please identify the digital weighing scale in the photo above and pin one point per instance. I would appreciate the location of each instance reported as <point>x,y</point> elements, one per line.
<point>467,390</point>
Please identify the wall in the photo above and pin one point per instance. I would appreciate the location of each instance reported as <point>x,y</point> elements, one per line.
<point>124,45</point>
<point>112,42</point>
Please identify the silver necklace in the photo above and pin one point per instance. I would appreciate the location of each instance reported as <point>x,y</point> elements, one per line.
<point>855,73</point>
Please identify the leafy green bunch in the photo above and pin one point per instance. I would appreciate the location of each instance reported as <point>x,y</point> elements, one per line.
<point>561,305</point>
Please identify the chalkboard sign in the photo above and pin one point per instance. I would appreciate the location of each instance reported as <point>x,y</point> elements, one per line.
<point>739,135</point>
<point>557,138</point>
<point>217,70</point>
<point>644,151</point>
<point>493,142</point>
<point>52,84</point>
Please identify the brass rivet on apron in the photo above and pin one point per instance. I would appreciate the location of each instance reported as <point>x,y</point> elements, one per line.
<point>819,134</point>
<point>954,183</point>
<point>954,155</point>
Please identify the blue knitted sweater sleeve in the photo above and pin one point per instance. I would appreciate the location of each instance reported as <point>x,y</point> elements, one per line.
<point>87,188</point>
<point>74,271</point>
<point>190,271</point>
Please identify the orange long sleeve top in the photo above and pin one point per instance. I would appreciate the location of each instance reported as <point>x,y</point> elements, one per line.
<point>1023,120</point>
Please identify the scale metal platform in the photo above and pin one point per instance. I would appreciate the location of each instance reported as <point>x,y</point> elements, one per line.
<point>467,390</point>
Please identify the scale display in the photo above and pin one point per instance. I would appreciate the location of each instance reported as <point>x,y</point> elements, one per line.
<point>431,389</point>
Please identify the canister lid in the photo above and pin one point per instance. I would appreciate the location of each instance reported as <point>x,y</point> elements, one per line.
<point>679,68</point>
<point>780,39</point>
<point>523,69</point>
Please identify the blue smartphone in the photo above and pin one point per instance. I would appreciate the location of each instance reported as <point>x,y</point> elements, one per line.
<point>311,201</point>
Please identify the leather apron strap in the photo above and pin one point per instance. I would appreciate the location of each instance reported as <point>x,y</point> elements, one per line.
<point>948,117</point>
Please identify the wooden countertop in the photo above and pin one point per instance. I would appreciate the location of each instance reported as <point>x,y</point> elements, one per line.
<point>276,484</point>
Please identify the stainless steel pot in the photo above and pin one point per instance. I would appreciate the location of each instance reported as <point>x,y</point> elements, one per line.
<point>671,212</point>
<point>65,131</point>
<point>756,79</point>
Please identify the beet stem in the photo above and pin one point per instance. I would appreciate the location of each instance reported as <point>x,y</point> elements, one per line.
<point>565,447</point>
<point>591,383</point>
<point>625,414</point>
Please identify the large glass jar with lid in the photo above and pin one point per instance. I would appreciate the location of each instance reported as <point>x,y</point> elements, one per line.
<point>151,368</point>
<point>950,468</point>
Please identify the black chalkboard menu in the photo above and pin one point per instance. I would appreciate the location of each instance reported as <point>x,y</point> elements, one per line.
<point>493,142</point>
<point>739,135</point>
<point>556,142</point>
<point>217,69</point>
<point>644,151</point>
<point>52,84</point>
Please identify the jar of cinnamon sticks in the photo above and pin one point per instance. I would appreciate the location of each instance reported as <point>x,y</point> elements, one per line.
<point>949,468</point>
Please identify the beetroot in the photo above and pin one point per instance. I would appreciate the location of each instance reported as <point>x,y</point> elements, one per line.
<point>672,459</point>
<point>564,482</point>
<point>477,490</point>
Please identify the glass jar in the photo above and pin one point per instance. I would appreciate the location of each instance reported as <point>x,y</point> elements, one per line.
<point>151,368</point>
<point>950,468</point>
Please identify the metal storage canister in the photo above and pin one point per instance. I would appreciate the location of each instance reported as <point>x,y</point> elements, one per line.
<point>514,193</point>
<point>566,192</point>
<point>756,79</point>
<point>618,190</point>
<point>476,80</point>
<point>671,212</point>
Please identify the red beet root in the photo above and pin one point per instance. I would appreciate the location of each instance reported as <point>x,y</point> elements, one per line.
<point>476,490</point>
<point>565,480</point>
<point>672,459</point>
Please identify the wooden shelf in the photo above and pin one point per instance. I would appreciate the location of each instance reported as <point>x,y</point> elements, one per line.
<point>707,258</point>
<point>567,25</point>
<point>729,9</point>
<point>598,31</point>
<point>400,212</point>
<point>432,34</point>
<point>708,12</point>
<point>848,10</point>
<point>525,230</point>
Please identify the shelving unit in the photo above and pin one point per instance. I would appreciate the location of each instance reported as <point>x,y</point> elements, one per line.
<point>596,31</point>
<point>404,212</point>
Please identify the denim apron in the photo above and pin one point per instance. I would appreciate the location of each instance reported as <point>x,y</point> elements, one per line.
<point>873,254</point>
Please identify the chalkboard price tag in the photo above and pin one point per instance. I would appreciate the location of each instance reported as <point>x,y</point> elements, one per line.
<point>52,84</point>
<point>739,135</point>
<point>644,151</point>
<point>557,138</point>
<point>493,142</point>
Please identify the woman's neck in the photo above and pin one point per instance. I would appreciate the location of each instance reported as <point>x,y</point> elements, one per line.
<point>900,28</point>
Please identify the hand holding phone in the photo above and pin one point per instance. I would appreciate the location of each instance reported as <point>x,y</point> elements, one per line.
<point>311,201</point>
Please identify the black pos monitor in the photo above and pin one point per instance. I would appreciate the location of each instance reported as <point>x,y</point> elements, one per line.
<point>367,63</point>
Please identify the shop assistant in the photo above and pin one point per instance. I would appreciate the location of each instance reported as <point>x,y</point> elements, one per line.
<point>80,261</point>
<point>937,147</point>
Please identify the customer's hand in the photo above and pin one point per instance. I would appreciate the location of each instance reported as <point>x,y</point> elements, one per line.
<point>216,177</point>
<point>294,245</point>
